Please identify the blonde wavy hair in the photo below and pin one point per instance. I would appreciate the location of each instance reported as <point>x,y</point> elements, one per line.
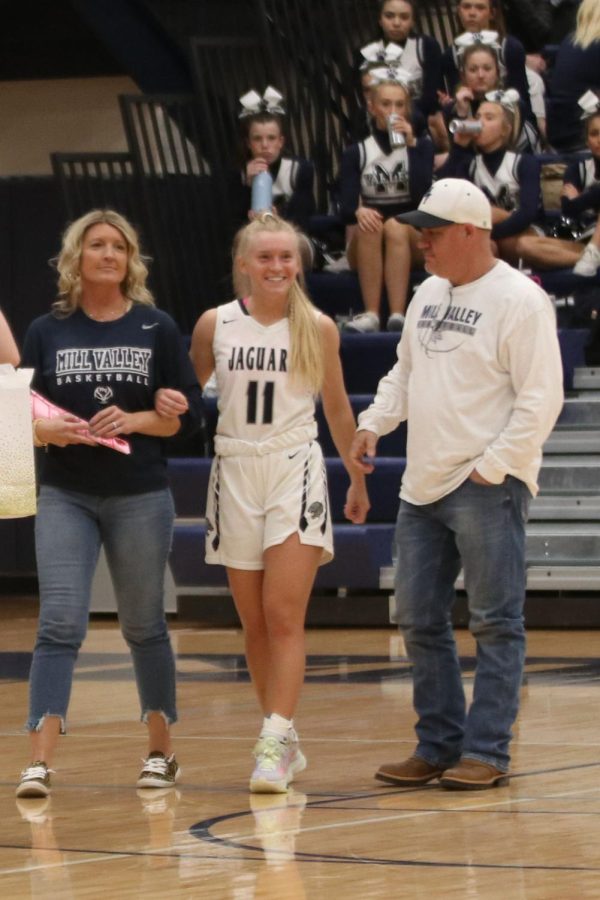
<point>306,350</point>
<point>68,261</point>
<point>587,29</point>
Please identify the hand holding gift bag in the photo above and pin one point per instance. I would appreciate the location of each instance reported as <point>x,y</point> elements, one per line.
<point>17,471</point>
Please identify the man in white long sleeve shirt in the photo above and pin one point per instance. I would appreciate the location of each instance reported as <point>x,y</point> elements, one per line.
<point>479,379</point>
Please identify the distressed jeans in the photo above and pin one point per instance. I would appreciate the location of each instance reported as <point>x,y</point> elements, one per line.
<point>136,532</point>
<point>482,527</point>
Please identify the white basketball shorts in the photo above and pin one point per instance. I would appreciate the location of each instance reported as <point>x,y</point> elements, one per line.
<point>256,502</point>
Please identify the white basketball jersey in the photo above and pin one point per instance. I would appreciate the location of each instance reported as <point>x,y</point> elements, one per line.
<point>259,407</point>
<point>502,188</point>
<point>383,177</point>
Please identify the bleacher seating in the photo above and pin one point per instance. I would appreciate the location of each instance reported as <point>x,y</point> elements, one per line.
<point>173,181</point>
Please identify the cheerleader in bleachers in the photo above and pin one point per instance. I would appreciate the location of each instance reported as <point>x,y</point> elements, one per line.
<point>376,61</point>
<point>421,56</point>
<point>511,180</point>
<point>380,179</point>
<point>580,199</point>
<point>483,23</point>
<point>481,73</point>
<point>263,138</point>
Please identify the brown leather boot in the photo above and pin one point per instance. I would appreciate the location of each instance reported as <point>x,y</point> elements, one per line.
<point>410,772</point>
<point>473,775</point>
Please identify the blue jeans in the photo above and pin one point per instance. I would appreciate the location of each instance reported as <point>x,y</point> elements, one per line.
<point>484,528</point>
<point>136,532</point>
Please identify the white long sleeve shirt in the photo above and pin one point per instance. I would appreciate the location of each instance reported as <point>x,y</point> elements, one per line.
<point>479,379</point>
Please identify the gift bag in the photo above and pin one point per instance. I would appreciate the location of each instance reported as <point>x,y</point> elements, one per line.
<point>17,472</point>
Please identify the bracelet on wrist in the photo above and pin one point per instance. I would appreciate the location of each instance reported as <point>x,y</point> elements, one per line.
<point>37,441</point>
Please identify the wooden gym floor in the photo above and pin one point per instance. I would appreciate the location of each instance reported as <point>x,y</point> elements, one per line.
<point>338,833</point>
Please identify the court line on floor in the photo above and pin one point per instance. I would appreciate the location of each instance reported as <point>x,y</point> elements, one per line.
<point>98,855</point>
<point>235,843</point>
<point>410,814</point>
<point>232,842</point>
<point>102,856</point>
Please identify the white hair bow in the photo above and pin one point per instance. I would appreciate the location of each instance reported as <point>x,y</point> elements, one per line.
<point>378,54</point>
<point>253,103</point>
<point>589,103</point>
<point>468,38</point>
<point>472,38</point>
<point>391,73</point>
<point>509,99</point>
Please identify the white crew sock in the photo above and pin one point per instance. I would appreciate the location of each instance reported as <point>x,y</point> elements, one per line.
<point>279,727</point>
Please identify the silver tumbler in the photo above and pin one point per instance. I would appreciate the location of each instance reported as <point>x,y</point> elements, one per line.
<point>464,126</point>
<point>396,137</point>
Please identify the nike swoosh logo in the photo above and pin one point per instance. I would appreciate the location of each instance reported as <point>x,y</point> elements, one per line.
<point>292,455</point>
<point>227,321</point>
<point>148,327</point>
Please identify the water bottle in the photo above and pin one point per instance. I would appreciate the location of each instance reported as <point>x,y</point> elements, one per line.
<point>396,137</point>
<point>262,192</point>
<point>464,126</point>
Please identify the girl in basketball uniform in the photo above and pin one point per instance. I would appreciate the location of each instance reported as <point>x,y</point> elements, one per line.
<point>262,122</point>
<point>379,180</point>
<point>511,181</point>
<point>268,518</point>
<point>481,21</point>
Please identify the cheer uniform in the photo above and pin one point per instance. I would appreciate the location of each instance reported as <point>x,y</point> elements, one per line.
<point>389,179</point>
<point>268,477</point>
<point>510,180</point>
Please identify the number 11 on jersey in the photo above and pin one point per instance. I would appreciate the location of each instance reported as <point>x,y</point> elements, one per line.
<point>268,394</point>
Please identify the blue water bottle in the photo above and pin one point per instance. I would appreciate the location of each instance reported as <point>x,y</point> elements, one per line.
<point>262,192</point>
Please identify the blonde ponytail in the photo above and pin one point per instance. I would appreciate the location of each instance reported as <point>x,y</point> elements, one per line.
<point>306,359</point>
